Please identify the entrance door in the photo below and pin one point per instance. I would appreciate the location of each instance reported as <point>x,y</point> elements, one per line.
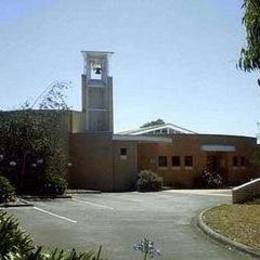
<point>217,163</point>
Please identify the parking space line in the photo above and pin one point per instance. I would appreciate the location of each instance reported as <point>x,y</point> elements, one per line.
<point>124,198</point>
<point>93,204</point>
<point>54,215</point>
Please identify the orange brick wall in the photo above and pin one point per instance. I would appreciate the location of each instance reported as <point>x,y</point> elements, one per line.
<point>92,161</point>
<point>190,145</point>
<point>125,169</point>
<point>96,162</point>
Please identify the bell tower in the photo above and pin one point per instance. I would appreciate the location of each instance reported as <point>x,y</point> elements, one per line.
<point>97,92</point>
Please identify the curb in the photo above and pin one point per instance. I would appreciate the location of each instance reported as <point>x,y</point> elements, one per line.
<point>46,197</point>
<point>83,192</point>
<point>23,204</point>
<point>222,239</point>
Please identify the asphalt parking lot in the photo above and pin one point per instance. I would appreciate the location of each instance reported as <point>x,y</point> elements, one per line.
<point>117,220</point>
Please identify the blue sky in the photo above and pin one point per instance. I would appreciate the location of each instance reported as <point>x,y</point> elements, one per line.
<point>173,59</point>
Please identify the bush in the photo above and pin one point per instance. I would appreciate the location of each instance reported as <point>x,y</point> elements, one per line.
<point>34,141</point>
<point>33,183</point>
<point>54,185</point>
<point>211,179</point>
<point>7,191</point>
<point>149,181</point>
<point>13,241</point>
<point>57,254</point>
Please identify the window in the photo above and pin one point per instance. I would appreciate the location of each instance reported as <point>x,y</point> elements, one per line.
<point>235,161</point>
<point>162,161</point>
<point>123,153</point>
<point>164,131</point>
<point>176,162</point>
<point>188,161</point>
<point>242,161</point>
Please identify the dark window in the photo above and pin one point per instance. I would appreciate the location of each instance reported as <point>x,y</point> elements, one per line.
<point>176,162</point>
<point>235,161</point>
<point>188,161</point>
<point>164,131</point>
<point>242,161</point>
<point>123,152</point>
<point>162,162</point>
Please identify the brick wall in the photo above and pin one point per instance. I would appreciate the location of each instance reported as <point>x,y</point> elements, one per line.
<point>97,164</point>
<point>246,192</point>
<point>92,161</point>
<point>190,145</point>
<point>125,167</point>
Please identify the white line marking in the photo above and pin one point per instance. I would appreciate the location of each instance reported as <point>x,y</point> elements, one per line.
<point>55,215</point>
<point>124,198</point>
<point>166,196</point>
<point>93,204</point>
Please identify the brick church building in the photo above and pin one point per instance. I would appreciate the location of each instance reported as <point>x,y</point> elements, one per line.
<point>107,161</point>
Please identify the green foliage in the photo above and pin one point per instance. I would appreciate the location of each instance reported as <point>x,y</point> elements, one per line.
<point>211,179</point>
<point>153,123</point>
<point>7,191</point>
<point>16,244</point>
<point>149,181</point>
<point>250,55</point>
<point>35,141</point>
<point>57,254</point>
<point>13,241</point>
<point>52,97</point>
<point>55,185</point>
<point>255,159</point>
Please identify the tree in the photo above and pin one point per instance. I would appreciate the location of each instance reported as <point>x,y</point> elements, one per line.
<point>153,123</point>
<point>33,142</point>
<point>250,55</point>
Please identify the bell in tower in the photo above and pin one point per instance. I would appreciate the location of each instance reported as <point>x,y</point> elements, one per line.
<point>97,89</point>
<point>98,70</point>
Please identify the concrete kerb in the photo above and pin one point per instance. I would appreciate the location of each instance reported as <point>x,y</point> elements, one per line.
<point>20,203</point>
<point>222,239</point>
<point>82,191</point>
<point>43,197</point>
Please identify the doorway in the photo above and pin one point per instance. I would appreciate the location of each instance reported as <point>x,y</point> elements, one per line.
<point>217,163</point>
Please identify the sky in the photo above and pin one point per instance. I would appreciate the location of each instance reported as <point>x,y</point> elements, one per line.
<point>173,59</point>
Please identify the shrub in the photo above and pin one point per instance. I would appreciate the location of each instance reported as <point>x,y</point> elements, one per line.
<point>211,179</point>
<point>13,241</point>
<point>7,191</point>
<point>57,254</point>
<point>54,185</point>
<point>149,181</point>
<point>34,141</point>
<point>33,183</point>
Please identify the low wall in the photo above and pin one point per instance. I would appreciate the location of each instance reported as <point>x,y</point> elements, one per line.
<point>246,192</point>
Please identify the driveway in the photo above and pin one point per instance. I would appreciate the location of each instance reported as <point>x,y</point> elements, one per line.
<point>117,220</point>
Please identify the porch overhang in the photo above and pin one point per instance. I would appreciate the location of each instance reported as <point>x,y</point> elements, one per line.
<point>217,148</point>
<point>142,138</point>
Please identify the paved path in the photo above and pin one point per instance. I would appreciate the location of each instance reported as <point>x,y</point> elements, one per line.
<point>117,220</point>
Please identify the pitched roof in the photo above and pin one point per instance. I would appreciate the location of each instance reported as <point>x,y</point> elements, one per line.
<point>146,130</point>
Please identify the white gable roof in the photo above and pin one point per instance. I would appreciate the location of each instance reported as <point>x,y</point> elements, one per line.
<point>146,130</point>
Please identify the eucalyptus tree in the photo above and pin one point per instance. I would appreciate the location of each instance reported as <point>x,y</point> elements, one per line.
<point>250,54</point>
